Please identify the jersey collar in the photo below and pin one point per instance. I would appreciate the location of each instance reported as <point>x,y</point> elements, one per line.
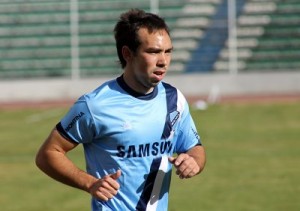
<point>135,94</point>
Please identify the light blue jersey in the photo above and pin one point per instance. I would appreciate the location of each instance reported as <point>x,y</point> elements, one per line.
<point>120,129</point>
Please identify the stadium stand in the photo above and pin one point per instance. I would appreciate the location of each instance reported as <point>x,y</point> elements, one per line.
<point>187,33</point>
<point>213,41</point>
<point>268,37</point>
<point>35,36</point>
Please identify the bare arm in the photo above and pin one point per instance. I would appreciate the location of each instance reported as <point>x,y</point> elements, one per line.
<point>190,163</point>
<point>52,160</point>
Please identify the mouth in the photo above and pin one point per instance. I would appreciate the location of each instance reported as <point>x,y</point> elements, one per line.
<point>159,74</point>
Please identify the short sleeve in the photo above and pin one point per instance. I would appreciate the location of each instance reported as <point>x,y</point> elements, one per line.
<point>188,136</point>
<point>78,125</point>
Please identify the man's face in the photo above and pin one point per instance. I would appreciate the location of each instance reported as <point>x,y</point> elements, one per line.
<point>149,64</point>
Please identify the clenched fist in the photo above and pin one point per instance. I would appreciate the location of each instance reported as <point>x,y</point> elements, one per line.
<point>186,166</point>
<point>107,187</point>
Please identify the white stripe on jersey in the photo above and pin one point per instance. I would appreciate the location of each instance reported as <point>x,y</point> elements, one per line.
<point>152,204</point>
<point>180,102</point>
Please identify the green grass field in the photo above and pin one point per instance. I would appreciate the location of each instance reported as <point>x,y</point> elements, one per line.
<point>253,161</point>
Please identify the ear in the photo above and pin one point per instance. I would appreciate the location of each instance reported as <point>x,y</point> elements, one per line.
<point>126,52</point>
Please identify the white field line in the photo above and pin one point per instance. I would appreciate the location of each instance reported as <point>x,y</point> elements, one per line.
<point>43,116</point>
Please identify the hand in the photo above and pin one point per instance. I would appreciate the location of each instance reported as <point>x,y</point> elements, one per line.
<point>186,166</point>
<point>107,187</point>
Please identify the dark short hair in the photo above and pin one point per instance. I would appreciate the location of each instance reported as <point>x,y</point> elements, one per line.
<point>130,22</point>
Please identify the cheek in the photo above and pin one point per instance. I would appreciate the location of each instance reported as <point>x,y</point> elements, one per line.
<point>148,61</point>
<point>168,58</point>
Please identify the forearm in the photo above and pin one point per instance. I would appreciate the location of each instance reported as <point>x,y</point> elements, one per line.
<point>198,153</point>
<point>190,163</point>
<point>58,166</point>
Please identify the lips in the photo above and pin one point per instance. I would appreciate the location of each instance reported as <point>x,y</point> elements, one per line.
<point>159,71</point>
<point>159,74</point>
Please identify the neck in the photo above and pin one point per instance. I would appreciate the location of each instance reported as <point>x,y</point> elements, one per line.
<point>134,85</point>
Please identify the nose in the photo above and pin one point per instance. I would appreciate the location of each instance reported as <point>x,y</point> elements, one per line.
<point>162,60</point>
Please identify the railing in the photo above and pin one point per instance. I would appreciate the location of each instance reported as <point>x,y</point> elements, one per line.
<point>73,38</point>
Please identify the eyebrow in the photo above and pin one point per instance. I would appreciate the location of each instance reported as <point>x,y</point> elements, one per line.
<point>159,49</point>
<point>170,49</point>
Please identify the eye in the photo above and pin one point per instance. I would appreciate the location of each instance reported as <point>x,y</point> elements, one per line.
<point>169,51</point>
<point>154,51</point>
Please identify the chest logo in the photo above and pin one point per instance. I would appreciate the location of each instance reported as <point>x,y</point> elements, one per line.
<point>127,125</point>
<point>174,116</point>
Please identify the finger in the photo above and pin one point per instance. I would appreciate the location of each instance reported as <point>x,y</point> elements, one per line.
<point>109,186</point>
<point>179,160</point>
<point>99,193</point>
<point>112,180</point>
<point>104,194</point>
<point>101,197</point>
<point>186,173</point>
<point>116,175</point>
<point>188,168</point>
<point>171,159</point>
<point>182,170</point>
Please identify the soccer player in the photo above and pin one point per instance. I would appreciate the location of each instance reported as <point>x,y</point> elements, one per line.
<point>133,128</point>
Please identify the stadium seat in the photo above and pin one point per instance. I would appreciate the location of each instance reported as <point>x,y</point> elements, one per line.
<point>271,32</point>
<point>35,36</point>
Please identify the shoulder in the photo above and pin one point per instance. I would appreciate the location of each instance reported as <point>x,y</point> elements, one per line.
<point>172,91</point>
<point>97,97</point>
<point>168,86</point>
<point>175,98</point>
<point>103,91</point>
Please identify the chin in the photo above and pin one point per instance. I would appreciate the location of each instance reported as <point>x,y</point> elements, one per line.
<point>154,83</point>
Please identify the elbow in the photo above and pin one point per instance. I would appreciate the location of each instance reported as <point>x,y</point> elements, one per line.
<point>40,160</point>
<point>203,160</point>
<point>202,166</point>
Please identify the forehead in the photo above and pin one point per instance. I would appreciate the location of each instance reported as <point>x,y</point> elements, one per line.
<point>157,38</point>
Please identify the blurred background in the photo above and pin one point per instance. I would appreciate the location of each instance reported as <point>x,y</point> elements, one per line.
<point>248,51</point>
<point>223,47</point>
